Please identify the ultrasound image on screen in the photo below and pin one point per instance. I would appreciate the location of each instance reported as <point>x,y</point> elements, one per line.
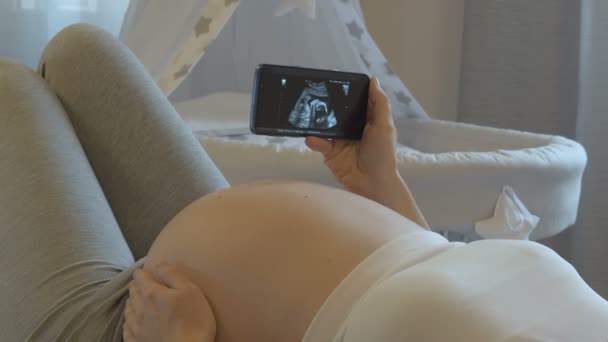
<point>313,110</point>
<point>313,105</point>
<point>295,103</point>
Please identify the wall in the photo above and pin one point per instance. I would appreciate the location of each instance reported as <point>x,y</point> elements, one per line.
<point>422,41</point>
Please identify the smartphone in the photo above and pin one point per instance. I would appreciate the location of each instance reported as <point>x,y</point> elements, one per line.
<point>293,101</point>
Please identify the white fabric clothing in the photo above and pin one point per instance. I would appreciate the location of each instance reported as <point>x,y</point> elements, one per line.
<point>420,287</point>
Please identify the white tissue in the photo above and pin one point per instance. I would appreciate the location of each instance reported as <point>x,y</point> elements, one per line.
<point>511,219</point>
<point>306,6</point>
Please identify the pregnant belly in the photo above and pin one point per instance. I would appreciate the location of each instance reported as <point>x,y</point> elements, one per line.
<point>267,255</point>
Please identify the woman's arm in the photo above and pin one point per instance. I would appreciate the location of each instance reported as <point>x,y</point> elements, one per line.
<point>395,194</point>
<point>369,167</point>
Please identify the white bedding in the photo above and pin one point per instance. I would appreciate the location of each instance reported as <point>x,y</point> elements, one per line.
<point>456,171</point>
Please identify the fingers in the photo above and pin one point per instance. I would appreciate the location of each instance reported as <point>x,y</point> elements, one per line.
<point>129,312</point>
<point>135,301</point>
<point>159,300</point>
<point>378,106</point>
<point>147,285</point>
<point>127,334</point>
<point>134,307</point>
<point>144,279</point>
<point>376,93</point>
<point>329,148</point>
<point>319,145</point>
<point>174,277</point>
<point>131,322</point>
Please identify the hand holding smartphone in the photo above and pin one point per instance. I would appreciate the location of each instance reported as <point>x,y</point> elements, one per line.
<point>292,101</point>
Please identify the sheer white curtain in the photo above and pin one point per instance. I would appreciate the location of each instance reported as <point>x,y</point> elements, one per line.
<point>254,35</point>
<point>233,37</point>
<point>27,25</point>
<point>154,30</point>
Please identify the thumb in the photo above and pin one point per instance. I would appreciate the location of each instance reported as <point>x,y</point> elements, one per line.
<point>173,277</point>
<point>319,145</point>
<point>379,105</point>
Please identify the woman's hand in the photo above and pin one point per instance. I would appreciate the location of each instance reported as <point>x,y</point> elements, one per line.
<point>167,306</point>
<point>367,166</point>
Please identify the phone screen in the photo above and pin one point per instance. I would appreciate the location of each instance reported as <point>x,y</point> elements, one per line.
<point>294,101</point>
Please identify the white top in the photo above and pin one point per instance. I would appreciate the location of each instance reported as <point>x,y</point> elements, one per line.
<point>397,255</point>
<point>420,287</point>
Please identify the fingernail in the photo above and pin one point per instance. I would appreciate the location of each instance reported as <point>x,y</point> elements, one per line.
<point>378,83</point>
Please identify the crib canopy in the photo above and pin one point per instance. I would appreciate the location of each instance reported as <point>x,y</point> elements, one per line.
<point>215,45</point>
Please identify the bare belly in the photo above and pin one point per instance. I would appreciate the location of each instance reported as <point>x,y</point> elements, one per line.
<point>267,255</point>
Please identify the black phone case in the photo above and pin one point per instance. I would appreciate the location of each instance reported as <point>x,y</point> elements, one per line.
<point>274,132</point>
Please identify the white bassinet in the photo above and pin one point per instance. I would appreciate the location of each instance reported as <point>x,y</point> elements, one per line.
<point>456,171</point>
